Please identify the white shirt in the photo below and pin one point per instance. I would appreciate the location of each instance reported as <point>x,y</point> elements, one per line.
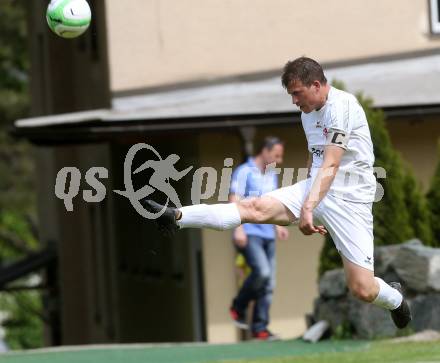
<point>342,122</point>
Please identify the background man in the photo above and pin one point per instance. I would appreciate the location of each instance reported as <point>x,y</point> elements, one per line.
<point>256,242</point>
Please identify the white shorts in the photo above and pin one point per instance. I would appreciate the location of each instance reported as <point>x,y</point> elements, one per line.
<point>350,224</point>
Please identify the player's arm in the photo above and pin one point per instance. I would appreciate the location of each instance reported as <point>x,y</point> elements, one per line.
<point>337,140</point>
<point>309,164</point>
<point>321,185</point>
<point>339,129</point>
<point>326,174</point>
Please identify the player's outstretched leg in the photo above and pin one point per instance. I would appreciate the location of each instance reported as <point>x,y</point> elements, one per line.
<point>365,286</point>
<point>220,216</point>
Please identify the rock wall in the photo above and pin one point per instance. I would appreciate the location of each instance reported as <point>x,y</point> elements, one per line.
<point>414,265</point>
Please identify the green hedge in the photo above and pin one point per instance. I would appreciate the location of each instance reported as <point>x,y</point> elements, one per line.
<point>433,198</point>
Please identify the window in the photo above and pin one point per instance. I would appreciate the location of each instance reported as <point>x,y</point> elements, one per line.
<point>435,16</point>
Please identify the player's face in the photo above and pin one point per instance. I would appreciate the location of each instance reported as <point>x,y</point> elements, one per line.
<point>307,98</point>
<point>274,155</point>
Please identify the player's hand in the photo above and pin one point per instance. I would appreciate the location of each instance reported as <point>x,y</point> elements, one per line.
<point>240,238</point>
<point>306,225</point>
<point>282,233</point>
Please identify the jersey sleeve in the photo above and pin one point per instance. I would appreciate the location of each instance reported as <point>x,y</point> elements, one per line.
<point>341,123</point>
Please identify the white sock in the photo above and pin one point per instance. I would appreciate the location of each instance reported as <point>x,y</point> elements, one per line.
<point>215,216</point>
<point>388,297</point>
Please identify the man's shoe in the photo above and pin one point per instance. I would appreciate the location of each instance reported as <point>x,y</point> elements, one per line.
<point>265,335</point>
<point>402,315</point>
<point>238,318</point>
<point>166,222</point>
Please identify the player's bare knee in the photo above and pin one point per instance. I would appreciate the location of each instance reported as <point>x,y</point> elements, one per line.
<point>245,208</point>
<point>259,210</point>
<point>253,210</point>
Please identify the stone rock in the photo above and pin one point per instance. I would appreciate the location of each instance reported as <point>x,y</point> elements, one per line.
<point>370,321</point>
<point>418,267</point>
<point>334,311</point>
<point>333,284</point>
<point>384,257</point>
<point>425,310</point>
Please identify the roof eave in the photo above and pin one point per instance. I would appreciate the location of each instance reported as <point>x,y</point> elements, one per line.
<point>98,130</point>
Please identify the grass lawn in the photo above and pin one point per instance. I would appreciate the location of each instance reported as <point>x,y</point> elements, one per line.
<point>250,352</point>
<point>378,352</point>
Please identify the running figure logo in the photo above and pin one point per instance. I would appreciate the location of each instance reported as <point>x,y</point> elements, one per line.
<point>163,171</point>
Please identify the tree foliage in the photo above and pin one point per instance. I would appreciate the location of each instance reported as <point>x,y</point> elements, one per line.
<point>433,198</point>
<point>23,326</point>
<point>418,209</point>
<point>17,198</point>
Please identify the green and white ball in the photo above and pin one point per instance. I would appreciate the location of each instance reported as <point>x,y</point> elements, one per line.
<point>68,18</point>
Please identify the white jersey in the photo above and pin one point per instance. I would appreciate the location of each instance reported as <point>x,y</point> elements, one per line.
<point>342,122</point>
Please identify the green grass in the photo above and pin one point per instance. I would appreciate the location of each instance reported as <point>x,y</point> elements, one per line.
<point>379,352</point>
<point>292,351</point>
<point>195,353</point>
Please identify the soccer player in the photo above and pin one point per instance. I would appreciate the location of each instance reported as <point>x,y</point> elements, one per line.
<point>337,197</point>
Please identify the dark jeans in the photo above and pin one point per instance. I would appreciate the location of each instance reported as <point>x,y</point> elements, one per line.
<point>259,254</point>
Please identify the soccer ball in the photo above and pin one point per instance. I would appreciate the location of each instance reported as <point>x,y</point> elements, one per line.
<point>68,18</point>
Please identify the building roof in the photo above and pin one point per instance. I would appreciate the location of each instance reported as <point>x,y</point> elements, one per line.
<point>392,83</point>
